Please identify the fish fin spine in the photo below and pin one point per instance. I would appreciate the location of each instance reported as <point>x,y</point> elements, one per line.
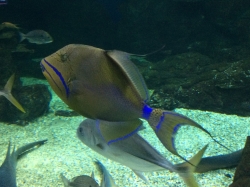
<point>7,93</point>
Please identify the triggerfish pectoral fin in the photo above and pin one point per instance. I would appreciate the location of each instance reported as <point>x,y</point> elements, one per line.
<point>113,132</point>
<point>166,124</point>
<point>187,169</point>
<point>7,93</point>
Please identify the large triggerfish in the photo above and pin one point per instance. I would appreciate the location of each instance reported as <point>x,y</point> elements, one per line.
<point>106,85</point>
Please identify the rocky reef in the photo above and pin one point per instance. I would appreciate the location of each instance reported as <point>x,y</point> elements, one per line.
<point>192,80</point>
<point>34,98</point>
<point>204,63</point>
<point>242,173</point>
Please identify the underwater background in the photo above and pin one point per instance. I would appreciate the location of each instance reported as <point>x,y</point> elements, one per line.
<point>202,72</point>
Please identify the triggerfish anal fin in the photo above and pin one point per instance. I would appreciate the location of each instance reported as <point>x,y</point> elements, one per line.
<point>166,124</point>
<point>112,132</point>
<point>122,59</point>
<point>6,92</point>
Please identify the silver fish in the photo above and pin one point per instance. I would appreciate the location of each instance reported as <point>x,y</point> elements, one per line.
<point>133,151</point>
<point>107,179</point>
<point>8,168</point>
<point>36,37</point>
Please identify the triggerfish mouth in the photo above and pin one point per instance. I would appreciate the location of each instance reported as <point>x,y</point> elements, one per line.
<point>106,85</point>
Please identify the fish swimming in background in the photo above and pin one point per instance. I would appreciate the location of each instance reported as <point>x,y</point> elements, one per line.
<point>8,25</point>
<point>6,92</point>
<point>79,181</point>
<point>106,85</point>
<point>8,168</point>
<point>133,151</point>
<point>3,2</point>
<point>37,37</point>
<point>107,179</point>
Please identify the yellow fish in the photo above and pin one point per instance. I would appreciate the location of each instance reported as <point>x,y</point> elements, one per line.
<point>6,92</point>
<point>9,26</point>
<point>106,85</point>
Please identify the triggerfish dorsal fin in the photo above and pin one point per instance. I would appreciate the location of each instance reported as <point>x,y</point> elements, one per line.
<point>166,124</point>
<point>7,93</point>
<point>131,71</point>
<point>115,131</point>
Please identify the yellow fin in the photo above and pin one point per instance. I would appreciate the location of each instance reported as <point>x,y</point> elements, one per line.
<point>115,131</point>
<point>7,93</point>
<point>166,124</point>
<point>188,176</point>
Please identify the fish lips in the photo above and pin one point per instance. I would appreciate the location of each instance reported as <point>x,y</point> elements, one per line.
<point>55,78</point>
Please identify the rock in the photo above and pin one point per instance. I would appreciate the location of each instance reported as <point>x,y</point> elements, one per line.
<point>242,173</point>
<point>194,81</point>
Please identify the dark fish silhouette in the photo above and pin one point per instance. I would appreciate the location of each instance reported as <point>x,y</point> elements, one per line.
<point>133,151</point>
<point>106,85</point>
<point>6,92</point>
<point>79,181</point>
<point>8,168</point>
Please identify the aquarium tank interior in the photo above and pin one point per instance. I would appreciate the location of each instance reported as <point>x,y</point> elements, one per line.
<point>124,93</point>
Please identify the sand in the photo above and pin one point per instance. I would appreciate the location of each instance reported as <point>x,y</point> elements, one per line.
<point>65,153</point>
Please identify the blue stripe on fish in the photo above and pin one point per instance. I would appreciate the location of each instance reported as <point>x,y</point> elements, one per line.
<point>126,136</point>
<point>162,119</point>
<point>175,129</point>
<point>44,69</point>
<point>60,76</point>
<point>158,126</point>
<point>146,112</point>
<point>174,133</point>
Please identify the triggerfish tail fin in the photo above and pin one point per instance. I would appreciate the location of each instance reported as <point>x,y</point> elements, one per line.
<point>166,124</point>
<point>7,93</point>
<point>186,169</point>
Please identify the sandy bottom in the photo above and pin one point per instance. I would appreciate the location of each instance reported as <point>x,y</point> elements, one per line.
<point>64,152</point>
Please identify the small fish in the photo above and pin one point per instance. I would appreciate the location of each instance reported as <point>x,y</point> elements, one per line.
<point>133,151</point>
<point>37,37</point>
<point>8,168</point>
<point>6,92</point>
<point>106,85</point>
<point>79,181</point>
<point>8,25</point>
<point>107,179</point>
